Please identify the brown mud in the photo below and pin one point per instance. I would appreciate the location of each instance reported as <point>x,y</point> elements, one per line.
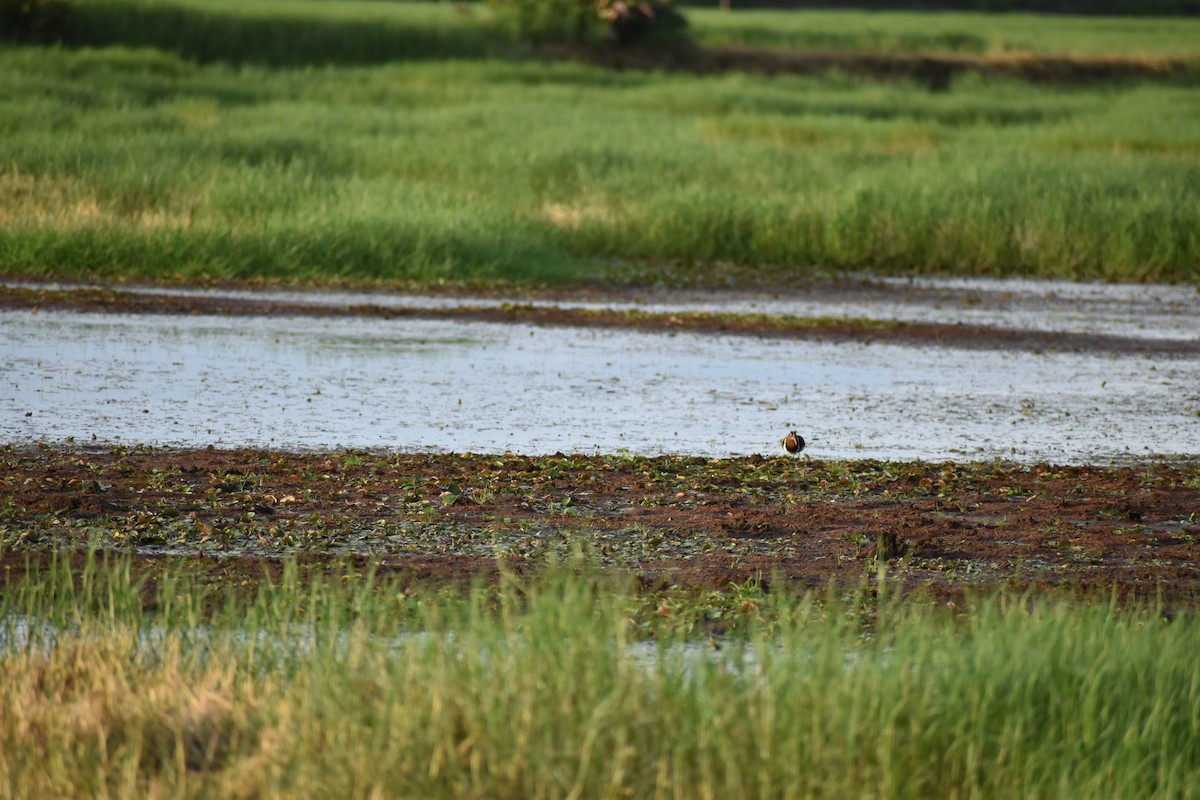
<point>943,528</point>
<point>115,300</point>
<point>940,528</point>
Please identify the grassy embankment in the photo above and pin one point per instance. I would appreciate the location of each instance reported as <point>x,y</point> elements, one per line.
<point>353,687</point>
<point>278,140</point>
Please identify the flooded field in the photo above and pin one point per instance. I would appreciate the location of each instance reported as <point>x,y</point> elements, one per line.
<point>248,400</point>
<point>287,382</point>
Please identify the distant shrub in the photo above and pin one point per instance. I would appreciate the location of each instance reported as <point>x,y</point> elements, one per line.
<point>593,22</point>
<point>33,20</point>
<point>653,24</point>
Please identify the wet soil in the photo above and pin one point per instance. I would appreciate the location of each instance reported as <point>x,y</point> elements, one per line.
<point>941,528</point>
<point>956,334</point>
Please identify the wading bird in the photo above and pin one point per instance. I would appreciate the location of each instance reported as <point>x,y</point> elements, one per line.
<point>793,442</point>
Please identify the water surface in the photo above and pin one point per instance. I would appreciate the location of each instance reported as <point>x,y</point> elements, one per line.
<point>305,383</point>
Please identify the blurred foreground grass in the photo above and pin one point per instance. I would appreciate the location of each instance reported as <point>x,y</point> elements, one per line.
<point>569,685</point>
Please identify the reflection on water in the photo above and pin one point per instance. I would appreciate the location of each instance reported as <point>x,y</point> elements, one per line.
<point>301,383</point>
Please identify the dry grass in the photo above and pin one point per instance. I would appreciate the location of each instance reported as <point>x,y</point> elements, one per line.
<point>70,205</point>
<point>104,710</point>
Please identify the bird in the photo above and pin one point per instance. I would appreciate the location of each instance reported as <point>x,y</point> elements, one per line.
<point>793,442</point>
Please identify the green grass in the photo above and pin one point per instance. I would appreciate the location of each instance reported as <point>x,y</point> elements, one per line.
<point>539,688</point>
<point>170,157</point>
<point>1084,8</point>
<point>950,32</point>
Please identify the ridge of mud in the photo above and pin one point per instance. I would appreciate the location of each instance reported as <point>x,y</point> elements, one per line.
<point>959,335</point>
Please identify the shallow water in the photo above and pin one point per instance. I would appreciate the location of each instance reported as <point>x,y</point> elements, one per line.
<point>305,383</point>
<point>21,633</point>
<point>1145,311</point>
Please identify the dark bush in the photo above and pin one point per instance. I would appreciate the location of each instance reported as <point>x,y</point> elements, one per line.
<point>39,21</point>
<point>643,23</point>
<point>593,22</point>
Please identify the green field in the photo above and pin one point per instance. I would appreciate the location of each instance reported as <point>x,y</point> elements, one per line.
<point>573,686</point>
<point>394,142</point>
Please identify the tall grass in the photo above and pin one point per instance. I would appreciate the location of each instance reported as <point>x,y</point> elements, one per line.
<point>151,162</point>
<point>539,689</point>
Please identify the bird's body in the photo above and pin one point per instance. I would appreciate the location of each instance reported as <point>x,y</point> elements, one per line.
<point>793,442</point>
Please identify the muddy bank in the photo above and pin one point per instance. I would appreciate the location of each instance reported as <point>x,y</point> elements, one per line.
<point>958,334</point>
<point>943,528</point>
